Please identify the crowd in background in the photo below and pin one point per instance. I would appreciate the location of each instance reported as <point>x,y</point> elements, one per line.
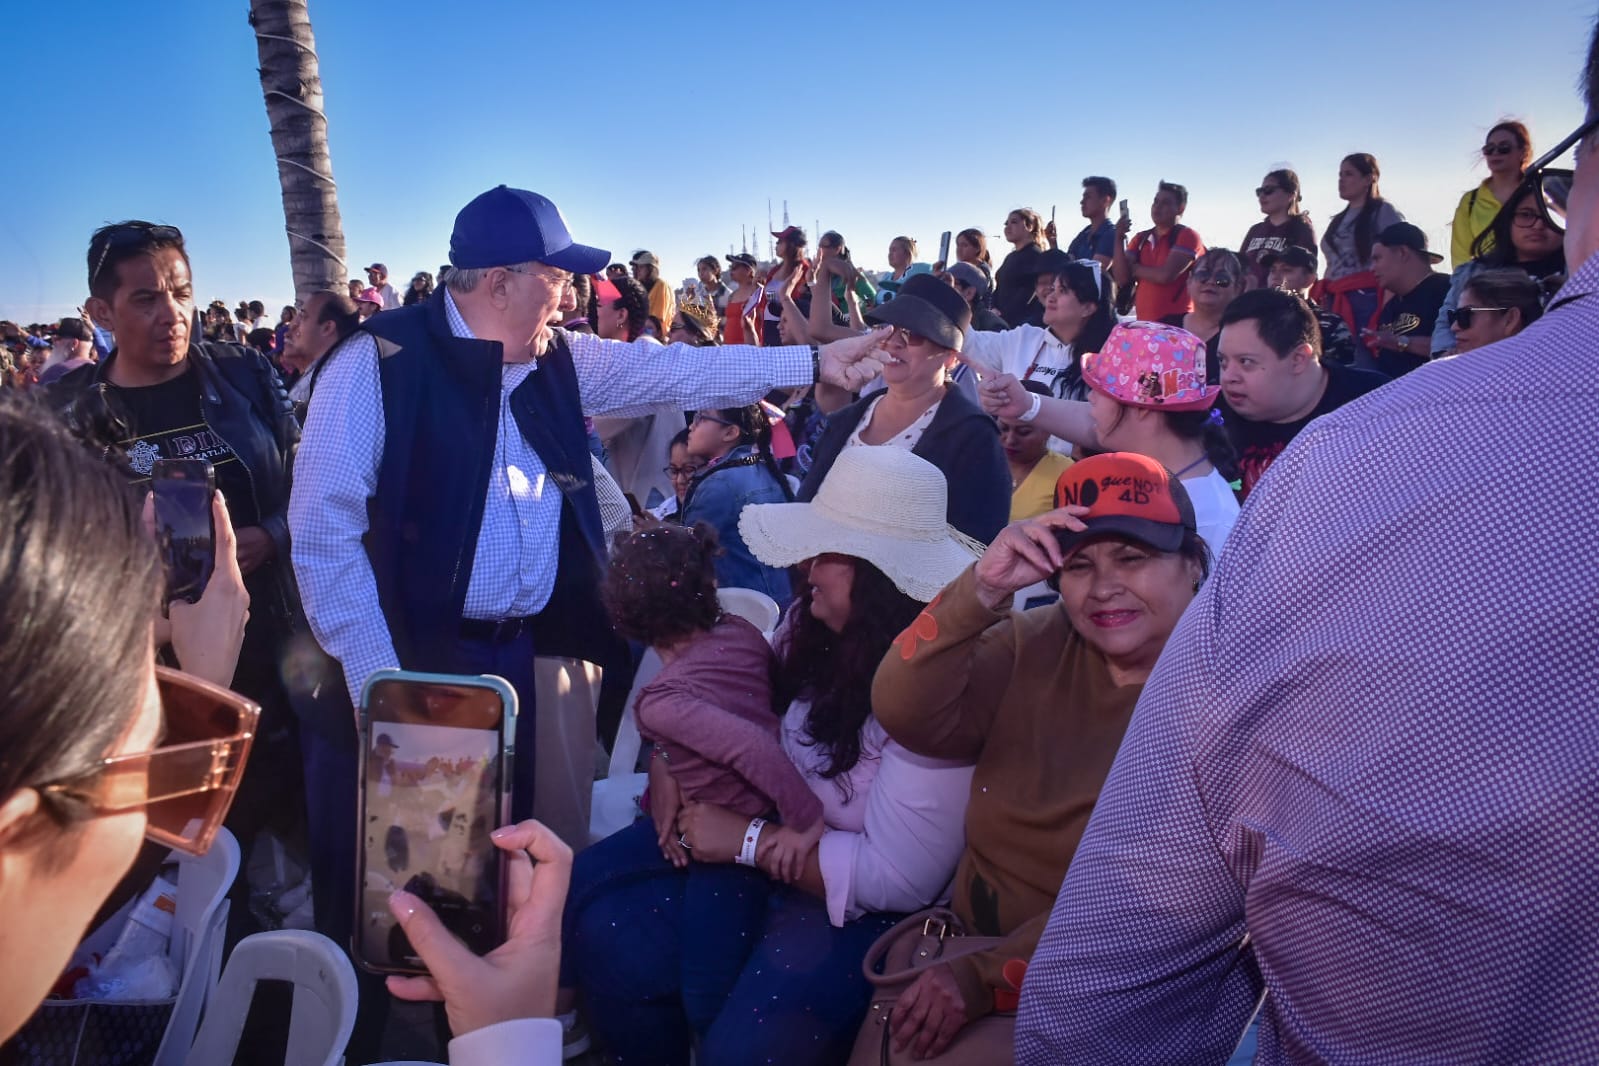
<point>986,493</point>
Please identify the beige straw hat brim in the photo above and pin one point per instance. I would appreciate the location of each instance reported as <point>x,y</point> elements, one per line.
<point>877,504</point>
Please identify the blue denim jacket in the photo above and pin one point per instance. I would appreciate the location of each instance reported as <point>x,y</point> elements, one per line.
<point>717,497</point>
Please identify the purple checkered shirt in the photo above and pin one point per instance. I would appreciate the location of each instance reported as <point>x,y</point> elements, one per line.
<point>1373,743</point>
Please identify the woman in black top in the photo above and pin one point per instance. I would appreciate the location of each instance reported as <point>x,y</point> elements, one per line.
<point>1013,282</point>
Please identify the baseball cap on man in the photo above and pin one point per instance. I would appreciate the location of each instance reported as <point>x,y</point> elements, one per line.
<point>380,268</point>
<point>743,257</point>
<point>792,234</point>
<point>1408,235</point>
<point>505,226</point>
<point>1295,255</point>
<point>932,310</point>
<point>1127,495</point>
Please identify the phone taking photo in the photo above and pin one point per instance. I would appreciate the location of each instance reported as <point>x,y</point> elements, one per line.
<point>1126,215</point>
<point>184,530</point>
<point>436,752</point>
<point>943,248</point>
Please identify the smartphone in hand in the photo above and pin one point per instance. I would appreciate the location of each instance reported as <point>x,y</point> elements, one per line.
<point>1125,214</point>
<point>436,757</point>
<point>182,491</point>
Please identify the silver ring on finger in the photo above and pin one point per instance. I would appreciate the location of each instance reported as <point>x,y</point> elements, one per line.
<point>685,845</point>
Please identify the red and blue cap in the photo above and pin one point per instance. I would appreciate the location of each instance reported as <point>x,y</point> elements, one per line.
<point>505,226</point>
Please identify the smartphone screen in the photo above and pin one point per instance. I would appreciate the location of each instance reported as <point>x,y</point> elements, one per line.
<point>434,785</point>
<point>182,489</point>
<point>943,248</point>
<point>1125,213</point>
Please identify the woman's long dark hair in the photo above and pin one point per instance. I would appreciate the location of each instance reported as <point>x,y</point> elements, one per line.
<point>80,582</point>
<point>1493,247</point>
<point>1366,221</point>
<point>1079,278</point>
<point>979,238</point>
<point>1204,427</point>
<point>754,427</point>
<point>835,670</point>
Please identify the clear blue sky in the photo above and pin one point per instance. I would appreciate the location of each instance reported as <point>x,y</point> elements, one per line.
<point>667,126</point>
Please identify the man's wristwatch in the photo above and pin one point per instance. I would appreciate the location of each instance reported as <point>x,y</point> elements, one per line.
<point>1404,344</point>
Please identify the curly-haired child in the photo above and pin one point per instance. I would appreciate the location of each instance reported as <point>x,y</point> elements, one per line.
<point>708,715</point>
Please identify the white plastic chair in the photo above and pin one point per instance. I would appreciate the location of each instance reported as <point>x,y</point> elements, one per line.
<point>611,806</point>
<point>756,608</point>
<point>324,998</point>
<point>198,928</point>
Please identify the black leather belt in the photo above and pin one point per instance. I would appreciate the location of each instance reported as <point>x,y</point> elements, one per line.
<point>502,632</point>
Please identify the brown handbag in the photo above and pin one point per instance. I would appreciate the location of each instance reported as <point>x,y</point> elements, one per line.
<point>895,960</point>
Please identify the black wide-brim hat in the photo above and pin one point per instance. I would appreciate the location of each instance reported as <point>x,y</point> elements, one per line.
<point>929,308</point>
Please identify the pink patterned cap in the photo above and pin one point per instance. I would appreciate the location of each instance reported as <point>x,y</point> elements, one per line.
<point>1146,364</point>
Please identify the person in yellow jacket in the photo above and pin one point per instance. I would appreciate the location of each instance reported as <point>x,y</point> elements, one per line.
<point>647,270</point>
<point>1507,150</point>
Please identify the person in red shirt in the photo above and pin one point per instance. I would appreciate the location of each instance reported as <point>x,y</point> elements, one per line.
<point>1158,257</point>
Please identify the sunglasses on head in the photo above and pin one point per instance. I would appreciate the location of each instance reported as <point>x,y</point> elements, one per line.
<point>186,785</point>
<point>130,235</point>
<point>1462,316</point>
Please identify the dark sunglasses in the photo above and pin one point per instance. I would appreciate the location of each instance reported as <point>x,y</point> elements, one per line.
<point>187,784</point>
<point>1461,316</point>
<point>1498,149</point>
<point>1218,278</point>
<point>1267,190</point>
<point>130,235</point>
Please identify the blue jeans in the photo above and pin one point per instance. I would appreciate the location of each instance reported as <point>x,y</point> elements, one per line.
<point>796,993</point>
<point>719,908</point>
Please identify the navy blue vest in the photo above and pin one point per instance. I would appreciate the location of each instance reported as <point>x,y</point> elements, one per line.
<point>441,405</point>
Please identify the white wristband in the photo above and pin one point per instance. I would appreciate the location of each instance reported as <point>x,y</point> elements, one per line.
<point>1032,411</point>
<point>752,836</point>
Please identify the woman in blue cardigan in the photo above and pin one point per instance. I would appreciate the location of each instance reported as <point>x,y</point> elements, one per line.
<point>920,411</point>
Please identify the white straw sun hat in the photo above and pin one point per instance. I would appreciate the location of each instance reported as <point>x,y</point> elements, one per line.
<point>883,505</point>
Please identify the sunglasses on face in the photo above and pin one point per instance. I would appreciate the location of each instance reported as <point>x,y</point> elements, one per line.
<point>1462,316</point>
<point>1219,278</point>
<point>128,236</point>
<point>186,785</point>
<point>1549,186</point>
<point>1267,190</point>
<point>905,337</point>
<point>1498,148</point>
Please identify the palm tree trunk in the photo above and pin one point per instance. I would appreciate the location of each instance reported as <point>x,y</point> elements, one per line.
<point>293,89</point>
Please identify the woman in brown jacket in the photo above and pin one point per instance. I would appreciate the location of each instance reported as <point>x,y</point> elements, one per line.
<point>1040,700</point>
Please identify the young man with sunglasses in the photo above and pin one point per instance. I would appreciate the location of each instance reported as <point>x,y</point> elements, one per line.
<point>1361,782</point>
<point>164,394</point>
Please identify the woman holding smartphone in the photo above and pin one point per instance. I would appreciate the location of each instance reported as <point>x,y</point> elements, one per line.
<point>84,715</point>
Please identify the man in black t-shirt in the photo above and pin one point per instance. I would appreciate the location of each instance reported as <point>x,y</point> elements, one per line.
<point>1402,340</point>
<point>1273,379</point>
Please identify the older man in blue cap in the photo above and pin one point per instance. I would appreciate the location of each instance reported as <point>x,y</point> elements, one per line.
<point>443,513</point>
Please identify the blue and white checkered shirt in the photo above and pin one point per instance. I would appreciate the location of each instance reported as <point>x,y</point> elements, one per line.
<point>513,569</point>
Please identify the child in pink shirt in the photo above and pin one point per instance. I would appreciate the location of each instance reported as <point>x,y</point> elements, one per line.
<point>709,716</point>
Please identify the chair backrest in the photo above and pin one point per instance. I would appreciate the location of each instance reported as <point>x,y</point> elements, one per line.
<point>198,929</point>
<point>625,749</point>
<point>324,998</point>
<point>756,608</point>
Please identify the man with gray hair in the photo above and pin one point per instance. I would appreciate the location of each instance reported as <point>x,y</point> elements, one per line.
<point>444,514</point>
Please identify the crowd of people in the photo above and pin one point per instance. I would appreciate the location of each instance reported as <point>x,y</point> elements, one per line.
<point>1161,635</point>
